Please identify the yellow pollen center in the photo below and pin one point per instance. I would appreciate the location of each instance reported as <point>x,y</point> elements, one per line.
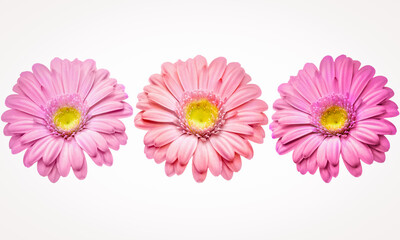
<point>201,114</point>
<point>67,118</point>
<point>334,118</point>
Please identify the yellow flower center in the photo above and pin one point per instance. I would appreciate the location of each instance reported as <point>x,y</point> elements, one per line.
<point>201,114</point>
<point>334,118</point>
<point>67,118</point>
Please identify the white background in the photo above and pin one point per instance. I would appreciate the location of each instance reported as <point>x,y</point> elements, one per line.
<point>133,199</point>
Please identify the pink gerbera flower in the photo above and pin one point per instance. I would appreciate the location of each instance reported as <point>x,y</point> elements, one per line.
<point>338,110</point>
<point>59,114</point>
<point>208,112</point>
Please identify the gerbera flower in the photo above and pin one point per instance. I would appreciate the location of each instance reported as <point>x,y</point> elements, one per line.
<point>59,114</point>
<point>208,112</point>
<point>338,110</point>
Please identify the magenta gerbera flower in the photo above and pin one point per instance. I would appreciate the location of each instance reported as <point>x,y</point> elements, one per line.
<point>208,112</point>
<point>59,114</point>
<point>338,110</point>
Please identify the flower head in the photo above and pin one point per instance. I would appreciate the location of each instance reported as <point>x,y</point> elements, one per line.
<point>336,110</point>
<point>57,114</point>
<point>203,112</point>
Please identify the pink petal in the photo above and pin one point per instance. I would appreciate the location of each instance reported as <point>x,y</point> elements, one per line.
<point>36,152</point>
<point>122,138</point>
<point>295,119</point>
<point>258,135</point>
<point>302,166</point>
<point>215,71</point>
<point>97,95</point>
<point>304,85</point>
<point>187,74</point>
<point>251,118</point>
<point>214,160</point>
<point>43,75</point>
<point>293,98</point>
<point>19,127</point>
<point>242,95</point>
<point>356,171</point>
<point>179,169</point>
<point>391,109</point>
<point>378,96</point>
<point>81,173</point>
<point>61,72</point>
<point>312,163</point>
<point>369,112</point>
<point>99,139</point>
<point>297,133</point>
<point>52,150</point>
<point>162,101</point>
<point>32,90</point>
<point>378,156</point>
<point>171,80</point>
<point>236,164</point>
<point>43,169</point>
<point>344,74</point>
<point>365,135</point>
<point>186,152</point>
<point>86,142</point>
<point>160,154</point>
<point>34,135</point>
<point>157,79</point>
<point>168,136</point>
<point>349,153</point>
<point>255,105</point>
<point>333,150</point>
<point>112,141</point>
<point>108,158</point>
<point>240,145</point>
<point>285,148</point>
<point>325,175</point>
<point>23,104</point>
<point>54,175</point>
<point>360,81</point>
<point>226,173</point>
<point>237,128</point>
<point>149,151</point>
<point>222,146</point>
<point>231,79</point>
<point>333,169</point>
<point>200,158</point>
<point>76,156</point>
<point>106,108</point>
<point>86,77</point>
<point>153,134</point>
<point>63,161</point>
<point>379,126</point>
<point>321,155</point>
<point>383,145</point>
<point>156,115</point>
<point>98,159</point>
<point>100,125</point>
<point>327,70</point>
<point>13,115</point>
<point>173,150</point>
<point>281,104</point>
<point>169,169</point>
<point>197,175</point>
<point>126,111</point>
<point>363,151</point>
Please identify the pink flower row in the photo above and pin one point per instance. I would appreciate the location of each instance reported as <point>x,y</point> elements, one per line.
<point>205,112</point>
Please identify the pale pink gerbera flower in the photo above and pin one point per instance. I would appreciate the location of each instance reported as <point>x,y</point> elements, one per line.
<point>208,112</point>
<point>59,114</point>
<point>338,110</point>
